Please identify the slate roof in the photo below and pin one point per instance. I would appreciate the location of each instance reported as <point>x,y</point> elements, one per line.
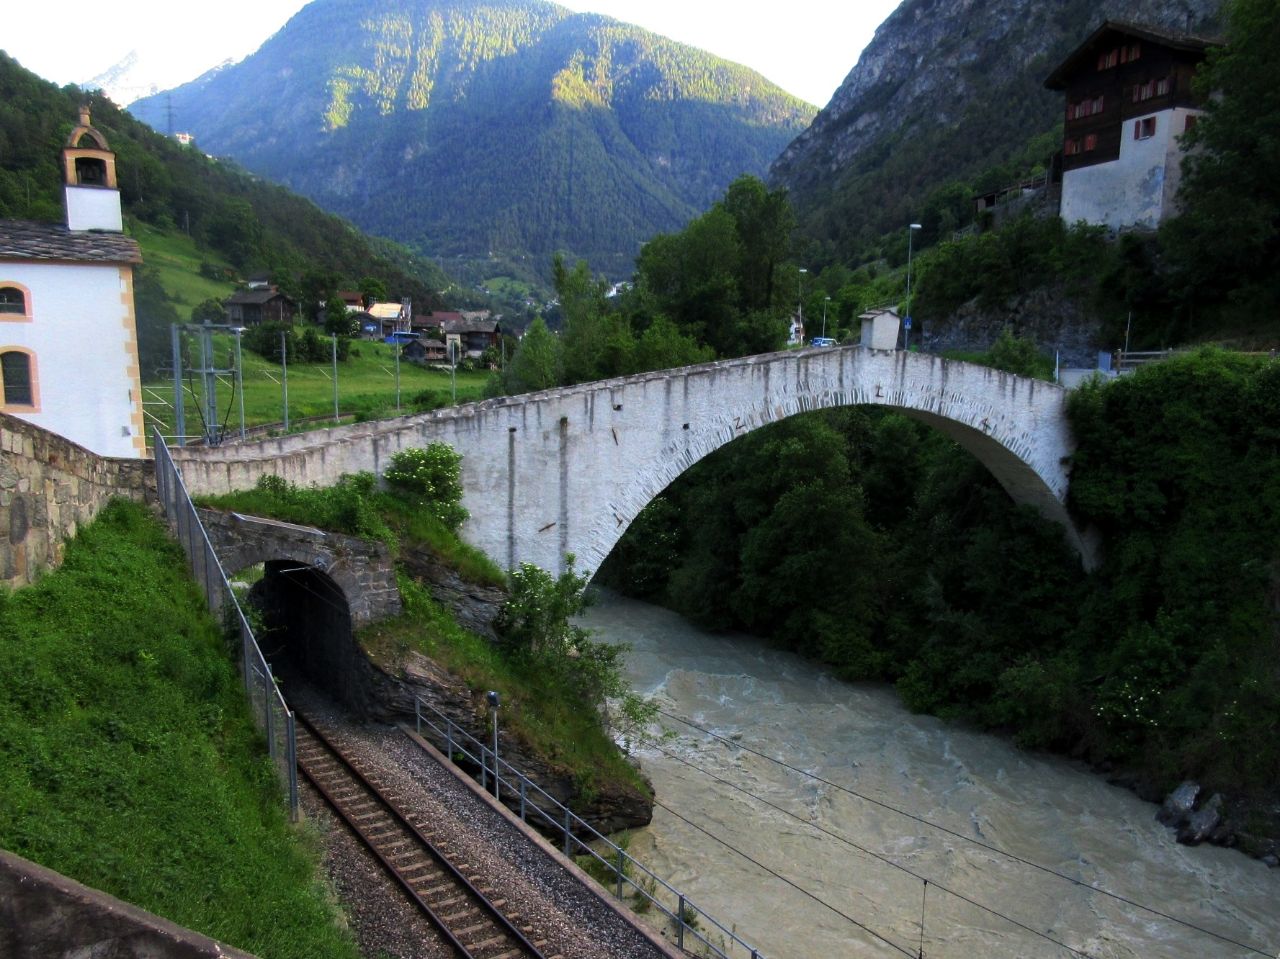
<point>27,240</point>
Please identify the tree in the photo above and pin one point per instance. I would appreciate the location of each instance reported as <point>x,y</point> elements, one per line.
<point>372,290</point>
<point>1227,241</point>
<point>596,342</point>
<point>764,223</point>
<point>155,313</point>
<point>536,365</point>
<point>209,311</point>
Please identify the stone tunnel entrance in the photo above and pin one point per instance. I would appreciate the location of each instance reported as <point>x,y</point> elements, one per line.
<point>308,629</point>
<point>316,589</point>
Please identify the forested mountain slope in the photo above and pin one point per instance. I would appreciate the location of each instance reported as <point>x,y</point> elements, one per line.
<point>235,217</point>
<point>949,90</point>
<point>512,126</point>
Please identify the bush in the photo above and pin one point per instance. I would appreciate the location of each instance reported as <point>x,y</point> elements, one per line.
<point>432,477</point>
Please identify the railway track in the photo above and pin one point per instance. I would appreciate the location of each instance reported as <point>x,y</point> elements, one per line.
<point>465,910</point>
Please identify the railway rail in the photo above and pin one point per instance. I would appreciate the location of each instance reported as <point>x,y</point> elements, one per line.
<point>469,915</point>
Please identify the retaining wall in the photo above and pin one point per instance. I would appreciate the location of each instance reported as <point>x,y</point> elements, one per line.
<point>49,487</point>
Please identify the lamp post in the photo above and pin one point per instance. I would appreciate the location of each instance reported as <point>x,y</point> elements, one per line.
<point>906,334</point>
<point>800,301</point>
<point>825,301</point>
<point>494,701</point>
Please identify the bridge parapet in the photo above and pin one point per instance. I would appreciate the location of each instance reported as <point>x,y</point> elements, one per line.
<point>567,470</point>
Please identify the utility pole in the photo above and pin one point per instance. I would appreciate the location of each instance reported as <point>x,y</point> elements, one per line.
<point>284,378</point>
<point>240,380</point>
<point>180,424</point>
<point>335,378</point>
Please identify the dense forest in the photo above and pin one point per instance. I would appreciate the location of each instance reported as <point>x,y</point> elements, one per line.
<point>244,222</point>
<point>509,129</point>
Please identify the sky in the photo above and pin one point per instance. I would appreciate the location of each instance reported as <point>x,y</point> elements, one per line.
<point>807,47</point>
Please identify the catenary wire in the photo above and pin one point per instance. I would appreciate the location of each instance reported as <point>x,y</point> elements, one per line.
<point>782,878</point>
<point>969,839</point>
<point>878,856</point>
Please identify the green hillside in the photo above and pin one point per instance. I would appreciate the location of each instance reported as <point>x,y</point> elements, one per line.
<point>507,128</point>
<point>202,223</point>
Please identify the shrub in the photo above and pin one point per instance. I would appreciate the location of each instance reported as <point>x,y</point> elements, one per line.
<point>432,477</point>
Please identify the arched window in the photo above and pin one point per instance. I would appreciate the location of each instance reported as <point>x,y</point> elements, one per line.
<point>18,377</point>
<point>13,300</point>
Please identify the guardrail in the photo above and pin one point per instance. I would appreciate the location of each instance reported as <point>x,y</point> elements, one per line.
<point>685,917</point>
<point>270,711</point>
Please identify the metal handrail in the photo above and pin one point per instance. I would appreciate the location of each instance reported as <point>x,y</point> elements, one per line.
<point>564,820</point>
<point>265,700</point>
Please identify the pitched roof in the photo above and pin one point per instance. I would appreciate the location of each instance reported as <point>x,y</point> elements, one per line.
<point>27,240</point>
<point>385,311</point>
<point>469,326</point>
<point>1084,53</point>
<point>250,297</point>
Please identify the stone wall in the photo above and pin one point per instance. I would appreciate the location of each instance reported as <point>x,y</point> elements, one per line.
<point>45,915</point>
<point>49,487</point>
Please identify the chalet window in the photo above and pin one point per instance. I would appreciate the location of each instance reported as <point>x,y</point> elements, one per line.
<point>1162,87</point>
<point>1190,123</point>
<point>1135,51</point>
<point>15,371</point>
<point>1071,148</point>
<point>1144,129</point>
<point>1108,60</point>
<point>1098,102</point>
<point>13,300</point>
<point>1091,142</point>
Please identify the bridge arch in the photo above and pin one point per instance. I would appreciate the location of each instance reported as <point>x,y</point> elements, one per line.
<point>567,470</point>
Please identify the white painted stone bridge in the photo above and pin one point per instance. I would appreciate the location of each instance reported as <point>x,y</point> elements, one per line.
<point>567,470</point>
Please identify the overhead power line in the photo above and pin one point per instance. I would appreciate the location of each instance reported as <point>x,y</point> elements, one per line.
<point>882,858</point>
<point>1151,910</point>
<point>782,878</point>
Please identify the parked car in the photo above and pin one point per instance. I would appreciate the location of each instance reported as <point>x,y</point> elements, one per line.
<point>822,341</point>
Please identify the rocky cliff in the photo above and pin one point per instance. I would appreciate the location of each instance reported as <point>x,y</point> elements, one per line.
<point>948,89</point>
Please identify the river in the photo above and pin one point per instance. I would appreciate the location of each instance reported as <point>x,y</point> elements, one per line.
<point>1048,811</point>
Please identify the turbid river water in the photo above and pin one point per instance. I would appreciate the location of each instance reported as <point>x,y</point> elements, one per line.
<point>1048,811</point>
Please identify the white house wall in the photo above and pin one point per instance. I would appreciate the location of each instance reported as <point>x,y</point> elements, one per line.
<point>1139,188</point>
<point>83,338</point>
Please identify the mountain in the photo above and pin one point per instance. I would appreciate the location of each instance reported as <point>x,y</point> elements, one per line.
<point>479,127</point>
<point>239,223</point>
<point>947,91</point>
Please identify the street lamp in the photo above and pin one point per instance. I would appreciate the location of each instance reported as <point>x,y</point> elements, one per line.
<point>800,301</point>
<point>494,701</point>
<point>906,334</point>
<point>825,301</point>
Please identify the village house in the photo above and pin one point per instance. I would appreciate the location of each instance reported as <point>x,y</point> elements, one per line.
<point>68,335</point>
<point>1129,100</point>
<point>264,305</point>
<point>390,318</point>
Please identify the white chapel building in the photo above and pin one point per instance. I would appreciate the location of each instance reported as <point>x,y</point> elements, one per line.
<point>68,338</point>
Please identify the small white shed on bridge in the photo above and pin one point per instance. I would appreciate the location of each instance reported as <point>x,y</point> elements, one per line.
<point>880,329</point>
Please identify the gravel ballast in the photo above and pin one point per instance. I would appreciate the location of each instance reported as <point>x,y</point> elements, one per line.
<point>575,921</point>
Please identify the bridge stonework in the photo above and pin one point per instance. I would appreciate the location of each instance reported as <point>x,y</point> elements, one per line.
<point>567,470</point>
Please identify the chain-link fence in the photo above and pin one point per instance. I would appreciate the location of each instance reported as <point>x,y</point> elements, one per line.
<point>269,709</point>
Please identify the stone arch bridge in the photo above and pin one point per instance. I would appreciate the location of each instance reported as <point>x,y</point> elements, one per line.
<point>567,470</point>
